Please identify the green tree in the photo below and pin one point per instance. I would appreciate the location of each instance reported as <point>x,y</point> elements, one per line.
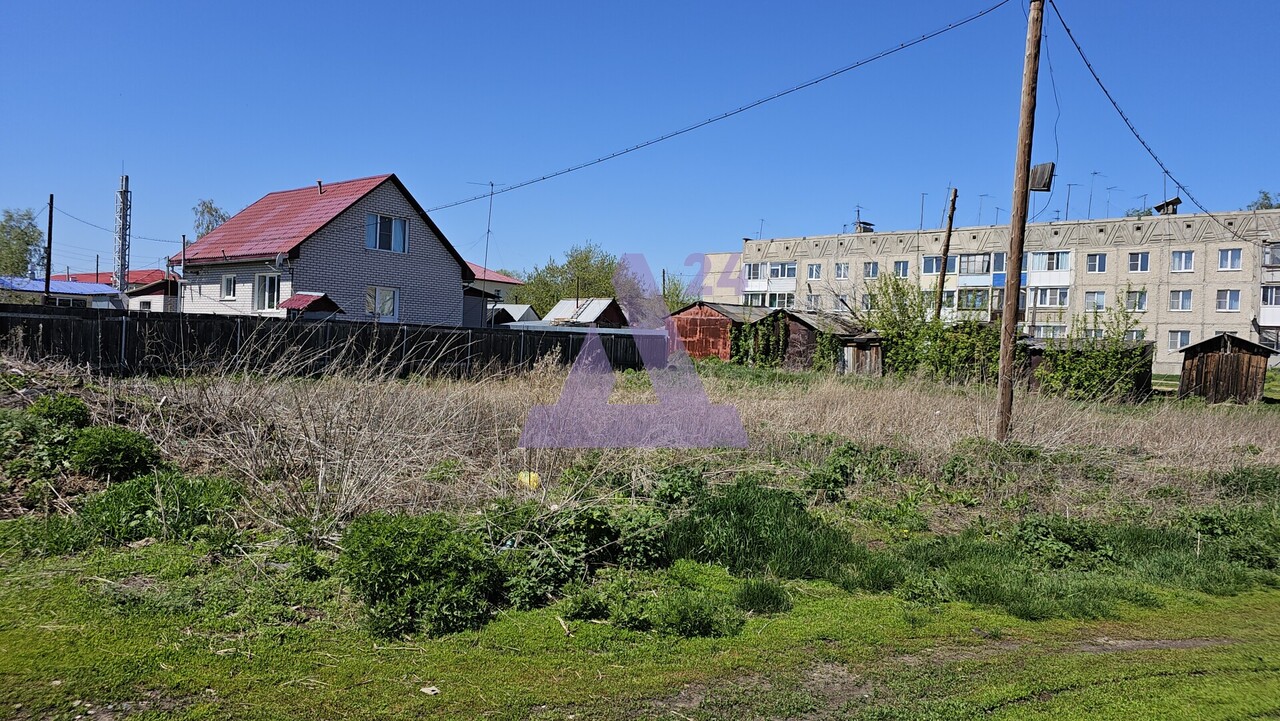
<point>1139,212</point>
<point>586,271</point>
<point>208,216</point>
<point>21,243</point>
<point>1265,201</point>
<point>677,294</point>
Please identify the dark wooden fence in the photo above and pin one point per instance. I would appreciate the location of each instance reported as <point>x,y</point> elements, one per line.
<point>113,341</point>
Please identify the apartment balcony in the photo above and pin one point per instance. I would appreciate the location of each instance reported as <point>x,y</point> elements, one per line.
<point>1269,316</point>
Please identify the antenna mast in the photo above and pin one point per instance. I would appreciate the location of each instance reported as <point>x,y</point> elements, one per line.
<point>124,215</point>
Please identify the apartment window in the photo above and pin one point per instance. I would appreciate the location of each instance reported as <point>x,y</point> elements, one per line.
<point>144,305</point>
<point>868,303</point>
<point>1139,262</point>
<point>975,264</point>
<point>1271,255</point>
<point>813,301</point>
<point>1271,295</point>
<point>382,302</point>
<point>1050,331</point>
<point>752,271</point>
<point>815,271</point>
<point>753,299</point>
<point>1229,259</point>
<point>1094,333</point>
<point>1180,300</point>
<point>228,287</point>
<point>842,302</point>
<point>871,269</point>
<point>1051,297</point>
<point>842,271</point>
<point>1095,300</point>
<point>997,262</point>
<point>1053,260</point>
<point>1135,301</point>
<point>782,300</point>
<point>266,291</point>
<point>1135,335</point>
<point>974,298</point>
<point>382,232</point>
<point>901,268</point>
<point>932,265</point>
<point>782,270</point>
<point>1096,263</point>
<point>1228,301</point>
<point>1179,339</point>
<point>1182,261</point>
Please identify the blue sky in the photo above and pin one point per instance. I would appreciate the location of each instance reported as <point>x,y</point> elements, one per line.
<point>232,100</point>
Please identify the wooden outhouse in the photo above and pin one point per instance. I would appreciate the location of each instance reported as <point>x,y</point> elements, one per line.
<point>1224,368</point>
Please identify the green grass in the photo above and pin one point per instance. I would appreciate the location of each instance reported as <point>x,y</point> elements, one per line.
<point>1272,387</point>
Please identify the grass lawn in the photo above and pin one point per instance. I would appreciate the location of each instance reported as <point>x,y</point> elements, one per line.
<point>164,632</point>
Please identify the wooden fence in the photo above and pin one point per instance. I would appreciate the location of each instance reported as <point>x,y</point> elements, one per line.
<point>118,342</point>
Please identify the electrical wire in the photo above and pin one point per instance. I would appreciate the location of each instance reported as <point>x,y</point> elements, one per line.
<point>110,230</point>
<point>1057,118</point>
<point>729,114</point>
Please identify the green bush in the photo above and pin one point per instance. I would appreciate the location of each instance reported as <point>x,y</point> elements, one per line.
<point>853,464</point>
<point>112,453</point>
<point>62,409</point>
<point>164,505</point>
<point>762,595</point>
<point>419,573</point>
<point>692,614</point>
<point>32,448</point>
<point>1060,542</point>
<point>680,486</point>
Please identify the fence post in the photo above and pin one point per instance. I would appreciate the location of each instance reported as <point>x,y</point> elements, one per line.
<point>124,331</point>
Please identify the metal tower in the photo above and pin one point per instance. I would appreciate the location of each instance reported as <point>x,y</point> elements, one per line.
<point>124,213</point>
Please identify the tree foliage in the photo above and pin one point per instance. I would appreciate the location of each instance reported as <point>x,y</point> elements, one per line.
<point>677,293</point>
<point>208,216</point>
<point>1264,201</point>
<point>1139,212</point>
<point>586,271</point>
<point>1097,360</point>
<point>21,243</point>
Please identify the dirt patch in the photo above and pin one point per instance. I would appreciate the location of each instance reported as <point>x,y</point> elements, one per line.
<point>151,702</point>
<point>834,684</point>
<point>689,698</point>
<point>1105,644</point>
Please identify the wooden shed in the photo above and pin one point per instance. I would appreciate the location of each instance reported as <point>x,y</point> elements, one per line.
<point>706,329</point>
<point>864,355</point>
<point>803,329</point>
<point>1224,368</point>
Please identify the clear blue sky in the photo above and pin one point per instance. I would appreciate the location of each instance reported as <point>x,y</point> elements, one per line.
<point>231,100</point>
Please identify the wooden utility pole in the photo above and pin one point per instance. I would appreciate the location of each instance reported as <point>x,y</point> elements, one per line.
<point>1018,219</point>
<point>946,251</point>
<point>48,252</point>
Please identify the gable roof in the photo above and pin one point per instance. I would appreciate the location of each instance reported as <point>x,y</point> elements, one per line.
<point>142,276</point>
<point>1226,341</point>
<point>311,302</point>
<point>581,310</point>
<point>61,287</point>
<point>734,312</point>
<point>493,276</point>
<point>279,222</point>
<point>164,286</point>
<point>518,311</point>
<point>841,324</point>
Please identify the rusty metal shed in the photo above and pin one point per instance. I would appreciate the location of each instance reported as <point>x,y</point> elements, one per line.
<point>705,329</point>
<point>1223,368</point>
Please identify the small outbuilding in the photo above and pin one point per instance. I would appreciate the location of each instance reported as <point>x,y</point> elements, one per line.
<point>586,313</point>
<point>706,329</point>
<point>1223,368</point>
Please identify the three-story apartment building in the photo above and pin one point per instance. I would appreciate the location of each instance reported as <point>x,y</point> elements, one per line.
<point>1185,277</point>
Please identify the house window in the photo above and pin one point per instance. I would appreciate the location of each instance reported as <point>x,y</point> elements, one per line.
<point>1051,297</point>
<point>1179,339</point>
<point>1228,300</point>
<point>1135,334</point>
<point>266,291</point>
<point>1182,261</point>
<point>975,264</point>
<point>382,302</point>
<point>974,298</point>
<point>871,269</point>
<point>1096,263</point>
<point>1229,259</point>
<point>842,271</point>
<point>782,300</point>
<point>382,232</point>
<point>901,268</point>
<point>815,271</point>
<point>1139,262</point>
<point>1095,300</point>
<point>753,299</point>
<point>144,305</point>
<point>228,287</point>
<point>1180,300</point>
<point>1135,301</point>
<point>997,262</point>
<point>1271,295</point>
<point>1052,260</point>
<point>782,270</point>
<point>813,301</point>
<point>868,303</point>
<point>752,271</point>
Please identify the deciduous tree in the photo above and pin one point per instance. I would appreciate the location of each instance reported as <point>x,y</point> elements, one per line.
<point>208,216</point>
<point>21,243</point>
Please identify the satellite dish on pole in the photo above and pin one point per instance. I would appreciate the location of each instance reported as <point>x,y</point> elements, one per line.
<point>1041,178</point>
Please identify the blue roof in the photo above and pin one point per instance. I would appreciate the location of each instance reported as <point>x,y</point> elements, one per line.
<point>61,287</point>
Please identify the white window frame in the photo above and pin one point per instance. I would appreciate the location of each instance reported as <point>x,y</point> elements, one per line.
<point>901,268</point>
<point>1135,301</point>
<point>1142,260</point>
<point>931,261</point>
<point>380,293</point>
<point>1095,263</point>
<point>974,264</point>
<point>842,271</point>
<point>814,271</point>
<point>1228,297</point>
<point>373,233</point>
<point>1135,334</point>
<point>1271,296</point>
<point>998,262</point>
<point>1050,260</point>
<point>781,300</point>
<point>231,287</point>
<point>751,271</point>
<point>1060,295</point>
<point>871,269</point>
<point>782,270</point>
<point>1095,300</point>
<point>1176,339</point>
<point>755,300</point>
<point>842,303</point>
<point>1230,259</point>
<point>1182,261</point>
<point>1185,300</point>
<point>1058,331</point>
<point>261,294</point>
<point>144,305</point>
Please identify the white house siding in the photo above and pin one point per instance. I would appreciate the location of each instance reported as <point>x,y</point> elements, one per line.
<point>335,261</point>
<point>159,303</point>
<point>202,288</point>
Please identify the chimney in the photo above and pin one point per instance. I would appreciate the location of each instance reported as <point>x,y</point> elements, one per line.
<point>320,186</point>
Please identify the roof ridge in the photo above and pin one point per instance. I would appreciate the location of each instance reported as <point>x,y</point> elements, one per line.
<point>382,176</point>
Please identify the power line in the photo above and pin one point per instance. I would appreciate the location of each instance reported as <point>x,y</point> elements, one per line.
<point>1132,129</point>
<point>731,113</point>
<point>109,230</point>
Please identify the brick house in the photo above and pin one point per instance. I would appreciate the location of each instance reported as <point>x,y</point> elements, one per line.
<point>366,244</point>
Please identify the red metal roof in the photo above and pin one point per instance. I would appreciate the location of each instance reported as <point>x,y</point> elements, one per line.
<point>493,276</point>
<point>311,301</point>
<point>279,221</point>
<point>134,277</point>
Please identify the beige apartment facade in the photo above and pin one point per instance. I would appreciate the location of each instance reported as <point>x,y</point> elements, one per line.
<point>1186,277</point>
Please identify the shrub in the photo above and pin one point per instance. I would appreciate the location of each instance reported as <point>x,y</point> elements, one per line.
<point>691,614</point>
<point>762,595</point>
<point>680,486</point>
<point>854,464</point>
<point>32,448</point>
<point>419,572</point>
<point>112,453</point>
<point>1060,542</point>
<point>165,505</point>
<point>62,409</point>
